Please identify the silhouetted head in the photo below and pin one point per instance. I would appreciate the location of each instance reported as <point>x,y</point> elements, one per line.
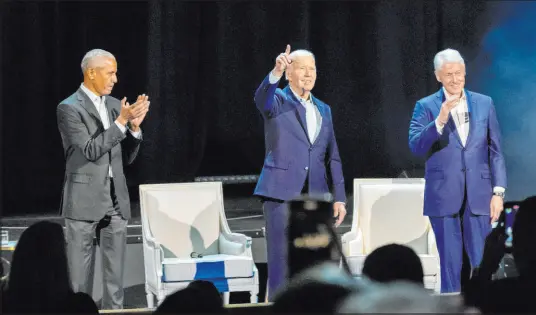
<point>393,262</point>
<point>400,297</point>
<point>524,237</point>
<point>315,290</point>
<point>200,297</point>
<point>39,275</point>
<point>209,291</point>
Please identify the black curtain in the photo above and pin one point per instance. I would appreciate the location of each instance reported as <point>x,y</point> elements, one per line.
<point>200,63</point>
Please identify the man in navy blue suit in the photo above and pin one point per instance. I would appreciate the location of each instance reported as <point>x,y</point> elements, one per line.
<point>457,131</point>
<point>301,152</point>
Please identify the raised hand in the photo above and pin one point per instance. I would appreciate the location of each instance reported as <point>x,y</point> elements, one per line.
<point>282,62</point>
<point>446,107</point>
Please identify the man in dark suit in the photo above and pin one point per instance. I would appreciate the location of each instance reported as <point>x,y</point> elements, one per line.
<point>301,152</point>
<point>457,131</point>
<point>95,200</point>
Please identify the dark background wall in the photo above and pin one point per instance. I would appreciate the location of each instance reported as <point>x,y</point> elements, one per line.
<point>201,62</point>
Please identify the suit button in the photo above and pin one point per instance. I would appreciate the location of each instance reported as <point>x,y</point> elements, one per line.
<point>464,149</point>
<point>306,168</point>
<point>310,149</point>
<point>463,170</point>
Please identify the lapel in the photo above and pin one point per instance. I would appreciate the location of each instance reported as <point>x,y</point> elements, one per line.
<point>112,112</point>
<point>440,98</point>
<point>88,105</point>
<point>299,110</point>
<point>471,102</point>
<point>300,114</point>
<point>320,118</point>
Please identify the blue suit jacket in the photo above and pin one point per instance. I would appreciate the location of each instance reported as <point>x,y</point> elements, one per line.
<point>290,157</point>
<point>451,168</point>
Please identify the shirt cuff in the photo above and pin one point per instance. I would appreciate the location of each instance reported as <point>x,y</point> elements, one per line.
<point>343,203</point>
<point>121,127</point>
<point>499,189</point>
<point>273,79</point>
<point>135,134</point>
<point>439,126</point>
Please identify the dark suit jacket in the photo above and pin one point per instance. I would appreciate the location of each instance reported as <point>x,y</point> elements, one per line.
<point>290,156</point>
<point>89,150</point>
<point>452,168</point>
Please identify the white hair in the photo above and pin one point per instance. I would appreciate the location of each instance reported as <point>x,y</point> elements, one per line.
<point>88,57</point>
<point>398,297</point>
<point>447,56</point>
<point>300,53</point>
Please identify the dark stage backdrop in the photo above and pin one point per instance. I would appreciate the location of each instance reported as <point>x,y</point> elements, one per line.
<point>201,62</point>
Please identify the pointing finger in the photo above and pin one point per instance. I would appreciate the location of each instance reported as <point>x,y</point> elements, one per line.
<point>287,51</point>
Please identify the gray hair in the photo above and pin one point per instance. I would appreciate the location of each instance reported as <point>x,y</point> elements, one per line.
<point>300,53</point>
<point>88,57</point>
<point>447,56</point>
<point>399,297</point>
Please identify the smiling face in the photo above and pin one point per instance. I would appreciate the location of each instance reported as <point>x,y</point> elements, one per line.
<point>301,73</point>
<point>452,76</point>
<point>101,75</point>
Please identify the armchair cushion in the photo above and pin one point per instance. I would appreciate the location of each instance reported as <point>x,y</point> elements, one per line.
<point>207,268</point>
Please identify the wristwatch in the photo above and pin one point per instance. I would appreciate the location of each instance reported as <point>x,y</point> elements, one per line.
<point>499,193</point>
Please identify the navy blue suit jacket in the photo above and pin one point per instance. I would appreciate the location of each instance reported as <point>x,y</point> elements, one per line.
<point>452,168</point>
<point>290,157</point>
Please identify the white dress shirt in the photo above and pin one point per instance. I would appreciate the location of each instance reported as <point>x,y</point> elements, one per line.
<point>103,113</point>
<point>460,115</point>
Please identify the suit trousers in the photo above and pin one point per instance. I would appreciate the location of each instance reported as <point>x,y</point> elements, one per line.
<point>276,215</point>
<point>112,242</point>
<point>455,234</point>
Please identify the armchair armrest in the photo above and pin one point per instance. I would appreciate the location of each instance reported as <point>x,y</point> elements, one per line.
<point>153,257</point>
<point>235,244</point>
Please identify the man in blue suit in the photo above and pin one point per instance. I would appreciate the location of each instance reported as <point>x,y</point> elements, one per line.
<point>301,152</point>
<point>457,131</point>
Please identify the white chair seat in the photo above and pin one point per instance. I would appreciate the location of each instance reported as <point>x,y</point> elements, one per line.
<point>429,263</point>
<point>208,267</point>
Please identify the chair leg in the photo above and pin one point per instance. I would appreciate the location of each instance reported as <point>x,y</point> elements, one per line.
<point>253,297</point>
<point>159,299</point>
<point>226,297</point>
<point>150,300</point>
<point>266,294</point>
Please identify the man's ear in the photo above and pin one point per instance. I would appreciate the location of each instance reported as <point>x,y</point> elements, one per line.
<point>91,73</point>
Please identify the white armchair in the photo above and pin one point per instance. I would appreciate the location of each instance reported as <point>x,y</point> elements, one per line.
<point>180,221</point>
<point>391,211</point>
